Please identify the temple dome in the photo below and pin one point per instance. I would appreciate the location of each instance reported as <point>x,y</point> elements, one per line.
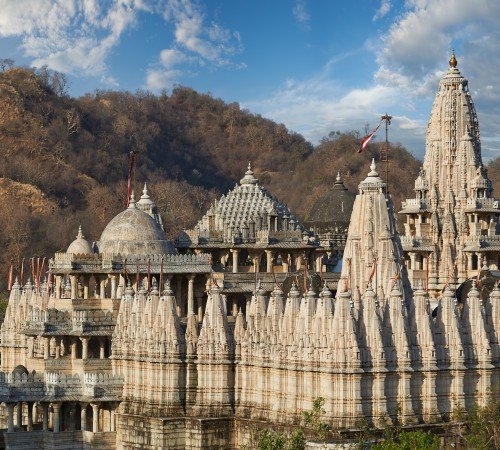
<point>80,245</point>
<point>134,232</point>
<point>334,207</point>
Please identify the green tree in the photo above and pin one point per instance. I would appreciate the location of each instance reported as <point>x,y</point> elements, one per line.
<point>410,440</point>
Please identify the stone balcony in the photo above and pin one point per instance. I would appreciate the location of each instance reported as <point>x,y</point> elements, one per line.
<point>415,243</point>
<point>414,205</point>
<point>481,243</point>
<point>245,282</point>
<point>52,386</point>
<point>77,322</point>
<point>64,263</point>
<point>68,365</point>
<point>482,204</point>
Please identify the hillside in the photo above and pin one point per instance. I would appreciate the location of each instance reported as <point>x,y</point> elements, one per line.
<point>63,160</point>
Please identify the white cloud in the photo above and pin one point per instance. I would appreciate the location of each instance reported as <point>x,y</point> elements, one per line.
<point>195,43</point>
<point>170,57</point>
<point>412,56</point>
<point>157,79</point>
<point>316,106</point>
<point>74,36</point>
<point>383,10</point>
<point>300,12</point>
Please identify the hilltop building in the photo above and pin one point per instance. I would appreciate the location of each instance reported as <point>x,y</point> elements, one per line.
<point>132,344</point>
<point>451,228</point>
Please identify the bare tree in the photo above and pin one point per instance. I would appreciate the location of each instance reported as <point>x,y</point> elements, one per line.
<point>72,121</point>
<point>6,63</point>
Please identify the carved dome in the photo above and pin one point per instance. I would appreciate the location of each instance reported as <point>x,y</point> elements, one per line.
<point>80,245</point>
<point>134,232</point>
<point>334,208</point>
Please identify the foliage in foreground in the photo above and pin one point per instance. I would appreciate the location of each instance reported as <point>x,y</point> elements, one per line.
<point>295,440</point>
<point>477,429</point>
<point>410,440</point>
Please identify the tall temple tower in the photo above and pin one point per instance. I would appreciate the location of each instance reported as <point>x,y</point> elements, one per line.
<point>451,228</point>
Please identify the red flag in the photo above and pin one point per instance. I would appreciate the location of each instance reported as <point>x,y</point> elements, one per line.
<point>374,269</point>
<point>32,264</point>
<point>11,273</point>
<point>49,282</point>
<point>161,276</point>
<point>22,273</point>
<point>131,161</point>
<point>368,138</point>
<point>149,275</point>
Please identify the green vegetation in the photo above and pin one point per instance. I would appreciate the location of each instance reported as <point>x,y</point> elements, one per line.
<point>295,440</point>
<point>477,429</point>
<point>410,440</point>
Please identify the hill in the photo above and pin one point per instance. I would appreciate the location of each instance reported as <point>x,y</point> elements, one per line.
<point>63,160</point>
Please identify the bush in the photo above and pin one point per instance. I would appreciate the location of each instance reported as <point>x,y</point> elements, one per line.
<point>410,440</point>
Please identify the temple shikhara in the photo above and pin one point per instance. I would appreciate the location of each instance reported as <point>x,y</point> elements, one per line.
<point>241,323</point>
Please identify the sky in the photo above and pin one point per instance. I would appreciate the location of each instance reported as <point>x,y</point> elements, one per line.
<point>314,65</point>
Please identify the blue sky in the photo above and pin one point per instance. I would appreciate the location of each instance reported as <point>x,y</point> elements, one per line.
<point>315,65</point>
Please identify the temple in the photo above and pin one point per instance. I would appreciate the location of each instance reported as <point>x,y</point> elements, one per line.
<point>451,228</point>
<point>135,341</point>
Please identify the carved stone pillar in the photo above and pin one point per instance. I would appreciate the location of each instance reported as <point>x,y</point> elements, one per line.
<point>269,261</point>
<point>10,417</point>
<point>113,286</point>
<point>190,294</point>
<point>95,417</point>
<point>73,286</point>
<point>73,349</point>
<point>19,411</point>
<point>46,348</point>
<point>29,425</point>
<point>112,420</point>
<point>102,348</point>
<point>45,416</point>
<point>85,347</point>
<point>256,264</point>
<point>57,416</point>
<point>235,259</point>
<point>102,288</point>
<point>178,296</point>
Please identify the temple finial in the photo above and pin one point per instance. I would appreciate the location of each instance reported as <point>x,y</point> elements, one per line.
<point>131,203</point>
<point>453,60</point>
<point>80,234</point>
<point>373,167</point>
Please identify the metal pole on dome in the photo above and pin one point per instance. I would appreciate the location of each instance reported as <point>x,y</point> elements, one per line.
<point>387,119</point>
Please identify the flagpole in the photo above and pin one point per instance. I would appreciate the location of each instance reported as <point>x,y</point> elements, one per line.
<point>387,119</point>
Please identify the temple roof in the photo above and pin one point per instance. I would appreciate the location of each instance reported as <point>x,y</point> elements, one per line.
<point>244,215</point>
<point>373,252</point>
<point>80,245</point>
<point>134,232</point>
<point>334,207</point>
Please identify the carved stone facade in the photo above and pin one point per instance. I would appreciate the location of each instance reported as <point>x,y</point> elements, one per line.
<point>451,228</point>
<point>131,345</point>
